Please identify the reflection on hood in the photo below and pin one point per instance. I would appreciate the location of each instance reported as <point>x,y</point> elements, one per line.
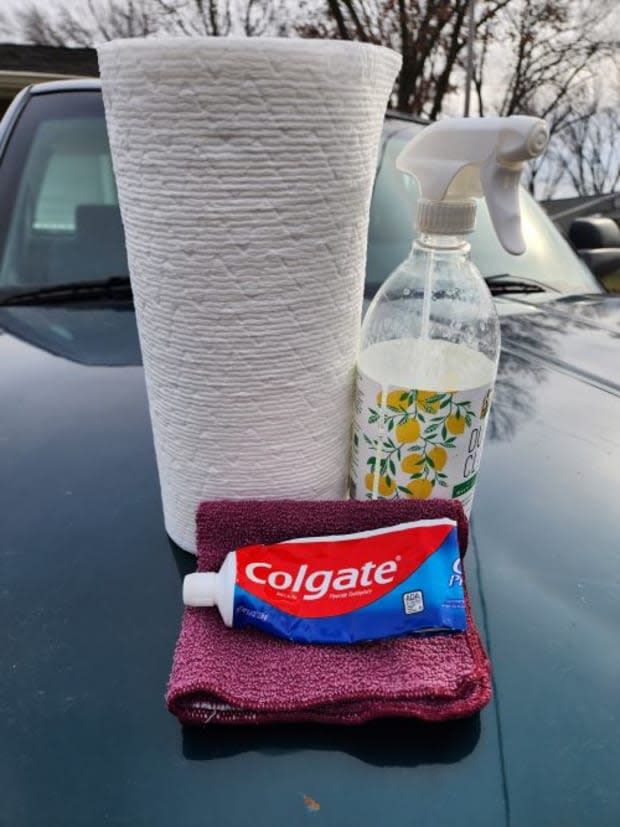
<point>86,334</point>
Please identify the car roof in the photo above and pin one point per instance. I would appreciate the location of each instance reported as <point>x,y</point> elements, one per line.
<point>71,85</point>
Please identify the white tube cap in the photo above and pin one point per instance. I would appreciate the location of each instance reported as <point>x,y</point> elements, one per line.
<point>199,589</point>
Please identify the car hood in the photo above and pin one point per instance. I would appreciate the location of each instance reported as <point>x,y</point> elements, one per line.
<point>92,604</point>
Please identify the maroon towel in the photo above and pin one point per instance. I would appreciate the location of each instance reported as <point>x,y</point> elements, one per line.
<point>230,676</point>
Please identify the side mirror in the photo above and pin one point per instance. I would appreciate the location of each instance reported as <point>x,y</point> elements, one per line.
<point>594,233</point>
<point>597,242</point>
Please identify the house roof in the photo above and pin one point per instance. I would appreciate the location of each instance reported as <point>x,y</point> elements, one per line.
<point>563,210</point>
<point>48,60</point>
<point>24,64</point>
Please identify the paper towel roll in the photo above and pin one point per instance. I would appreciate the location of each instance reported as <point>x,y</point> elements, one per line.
<point>244,172</point>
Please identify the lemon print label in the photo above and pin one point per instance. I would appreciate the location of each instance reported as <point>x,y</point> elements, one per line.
<point>417,444</point>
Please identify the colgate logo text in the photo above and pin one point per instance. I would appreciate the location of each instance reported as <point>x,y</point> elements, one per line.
<point>321,578</point>
<point>318,583</point>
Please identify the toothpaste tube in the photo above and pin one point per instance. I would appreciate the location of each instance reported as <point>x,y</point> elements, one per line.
<point>341,589</point>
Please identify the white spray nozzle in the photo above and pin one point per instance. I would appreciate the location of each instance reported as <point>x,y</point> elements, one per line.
<point>458,159</point>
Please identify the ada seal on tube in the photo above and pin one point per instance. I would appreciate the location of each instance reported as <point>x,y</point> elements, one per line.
<point>341,589</point>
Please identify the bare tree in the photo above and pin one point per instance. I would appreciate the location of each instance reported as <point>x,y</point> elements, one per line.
<point>589,151</point>
<point>550,51</point>
<point>196,17</point>
<point>430,35</point>
<point>96,20</point>
<point>223,17</point>
<point>543,56</point>
<point>64,25</point>
<point>5,24</point>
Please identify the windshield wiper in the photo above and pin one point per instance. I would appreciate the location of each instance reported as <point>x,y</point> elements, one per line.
<point>119,287</point>
<point>114,287</point>
<point>504,284</point>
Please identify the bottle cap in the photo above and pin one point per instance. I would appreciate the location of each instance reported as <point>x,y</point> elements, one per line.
<point>446,217</point>
<point>199,589</point>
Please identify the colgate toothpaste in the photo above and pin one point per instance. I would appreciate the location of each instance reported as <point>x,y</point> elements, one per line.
<point>341,589</point>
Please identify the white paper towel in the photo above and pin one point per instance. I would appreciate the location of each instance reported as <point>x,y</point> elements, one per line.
<point>244,172</point>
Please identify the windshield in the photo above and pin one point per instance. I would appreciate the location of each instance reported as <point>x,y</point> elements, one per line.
<point>59,221</point>
<point>548,259</point>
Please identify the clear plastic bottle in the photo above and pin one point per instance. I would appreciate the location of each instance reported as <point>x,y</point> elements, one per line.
<point>431,337</point>
<point>428,377</point>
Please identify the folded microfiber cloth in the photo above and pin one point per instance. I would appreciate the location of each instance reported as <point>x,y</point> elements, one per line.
<point>229,676</point>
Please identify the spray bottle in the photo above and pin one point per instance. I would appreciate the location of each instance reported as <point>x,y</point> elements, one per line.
<point>431,339</point>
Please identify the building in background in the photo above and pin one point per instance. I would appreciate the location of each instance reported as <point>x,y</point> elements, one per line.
<point>21,65</point>
<point>563,211</point>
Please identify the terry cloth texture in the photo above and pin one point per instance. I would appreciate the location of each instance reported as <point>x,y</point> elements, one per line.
<point>229,676</point>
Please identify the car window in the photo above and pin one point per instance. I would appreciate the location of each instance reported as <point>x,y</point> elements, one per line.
<point>548,258</point>
<point>64,173</point>
<point>60,220</point>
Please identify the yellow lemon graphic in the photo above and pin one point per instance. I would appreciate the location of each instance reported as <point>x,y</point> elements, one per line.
<point>431,407</point>
<point>419,489</point>
<point>412,463</point>
<point>456,425</point>
<point>393,399</point>
<point>385,489</point>
<point>439,456</point>
<point>408,431</point>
